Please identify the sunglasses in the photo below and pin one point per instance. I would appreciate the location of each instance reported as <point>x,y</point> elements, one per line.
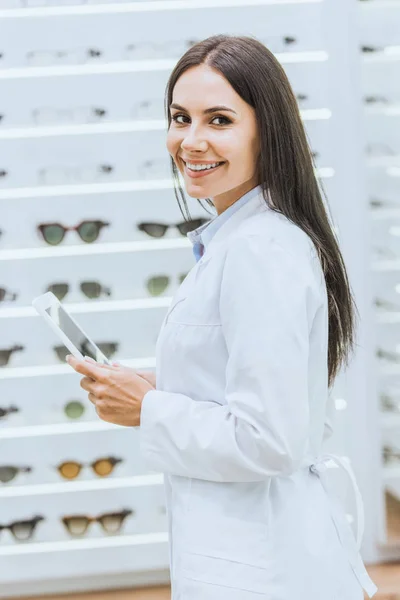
<point>23,530</point>
<point>158,230</point>
<point>8,473</point>
<point>5,295</point>
<point>102,467</point>
<point>74,409</point>
<point>91,289</point>
<point>6,354</point>
<point>107,348</point>
<point>88,231</point>
<point>110,522</point>
<point>7,411</point>
<point>158,284</point>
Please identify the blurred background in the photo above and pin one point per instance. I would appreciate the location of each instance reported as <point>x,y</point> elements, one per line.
<point>82,145</point>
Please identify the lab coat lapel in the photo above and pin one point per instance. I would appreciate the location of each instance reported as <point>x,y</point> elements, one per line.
<point>254,205</point>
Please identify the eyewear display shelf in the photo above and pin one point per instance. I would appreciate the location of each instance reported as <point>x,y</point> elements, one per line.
<point>82,139</point>
<point>379,44</point>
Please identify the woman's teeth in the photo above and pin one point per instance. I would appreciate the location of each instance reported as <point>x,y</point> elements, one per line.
<point>203,167</point>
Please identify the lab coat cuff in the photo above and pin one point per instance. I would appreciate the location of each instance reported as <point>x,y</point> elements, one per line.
<point>150,411</point>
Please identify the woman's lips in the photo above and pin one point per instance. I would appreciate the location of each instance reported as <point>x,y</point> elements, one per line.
<point>197,174</point>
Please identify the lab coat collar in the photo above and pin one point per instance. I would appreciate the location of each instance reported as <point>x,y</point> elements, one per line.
<point>254,205</point>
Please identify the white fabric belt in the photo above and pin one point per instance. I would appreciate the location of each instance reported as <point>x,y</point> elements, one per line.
<point>351,546</point>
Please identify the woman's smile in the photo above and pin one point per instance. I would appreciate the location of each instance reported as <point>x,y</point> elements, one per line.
<point>195,174</point>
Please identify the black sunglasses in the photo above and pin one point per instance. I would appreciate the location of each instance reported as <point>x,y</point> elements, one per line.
<point>158,230</point>
<point>88,231</point>
<point>23,530</point>
<point>7,411</point>
<point>91,289</point>
<point>8,473</point>
<point>6,354</point>
<point>6,295</point>
<point>107,348</point>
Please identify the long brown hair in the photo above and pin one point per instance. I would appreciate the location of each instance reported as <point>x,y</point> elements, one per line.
<point>285,166</point>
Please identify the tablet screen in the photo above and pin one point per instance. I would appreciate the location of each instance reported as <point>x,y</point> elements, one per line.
<point>75,333</point>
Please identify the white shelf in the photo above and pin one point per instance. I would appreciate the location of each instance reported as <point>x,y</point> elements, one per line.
<point>96,306</point>
<point>389,110</point>
<point>95,249</point>
<point>138,66</point>
<point>57,429</point>
<point>391,472</point>
<point>61,369</point>
<point>106,188</point>
<point>390,420</point>
<point>113,187</point>
<point>84,544</point>
<point>66,487</point>
<point>16,133</point>
<point>124,8</point>
<point>386,265</point>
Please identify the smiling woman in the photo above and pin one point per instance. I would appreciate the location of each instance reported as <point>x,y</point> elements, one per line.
<point>250,345</point>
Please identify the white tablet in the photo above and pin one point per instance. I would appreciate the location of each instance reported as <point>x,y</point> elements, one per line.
<point>67,329</point>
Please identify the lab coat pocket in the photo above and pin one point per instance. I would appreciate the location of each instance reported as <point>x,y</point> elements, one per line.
<point>173,308</point>
<point>230,578</point>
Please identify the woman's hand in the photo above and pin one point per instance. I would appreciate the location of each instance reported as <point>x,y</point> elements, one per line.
<point>116,391</point>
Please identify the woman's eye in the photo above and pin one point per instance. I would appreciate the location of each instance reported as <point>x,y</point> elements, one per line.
<point>225,119</point>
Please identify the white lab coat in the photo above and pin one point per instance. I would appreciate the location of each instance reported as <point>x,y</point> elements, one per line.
<point>238,418</point>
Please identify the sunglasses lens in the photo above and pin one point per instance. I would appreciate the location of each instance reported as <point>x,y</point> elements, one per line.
<point>89,231</point>
<point>103,467</point>
<point>69,470</point>
<point>76,525</point>
<point>2,294</point>
<point>157,285</point>
<point>7,474</point>
<point>23,530</point>
<point>108,348</point>
<point>61,352</point>
<point>187,226</point>
<point>91,289</point>
<point>74,409</point>
<point>156,230</point>
<point>4,357</point>
<point>60,290</point>
<point>53,234</point>
<point>112,522</point>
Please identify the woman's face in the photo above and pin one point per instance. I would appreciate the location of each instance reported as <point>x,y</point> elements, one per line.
<point>228,136</point>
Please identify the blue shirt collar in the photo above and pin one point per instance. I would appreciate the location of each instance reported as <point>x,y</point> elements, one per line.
<point>203,234</point>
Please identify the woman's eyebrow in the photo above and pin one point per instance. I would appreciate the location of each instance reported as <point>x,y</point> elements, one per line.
<point>207,110</point>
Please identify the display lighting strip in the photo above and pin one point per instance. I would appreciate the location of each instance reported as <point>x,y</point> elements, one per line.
<point>61,369</point>
<point>134,7</point>
<point>137,66</point>
<point>50,191</point>
<point>92,307</point>
<point>138,539</point>
<point>114,483</point>
<point>94,249</point>
<point>16,133</point>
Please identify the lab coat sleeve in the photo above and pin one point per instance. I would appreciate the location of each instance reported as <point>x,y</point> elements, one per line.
<point>267,303</point>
